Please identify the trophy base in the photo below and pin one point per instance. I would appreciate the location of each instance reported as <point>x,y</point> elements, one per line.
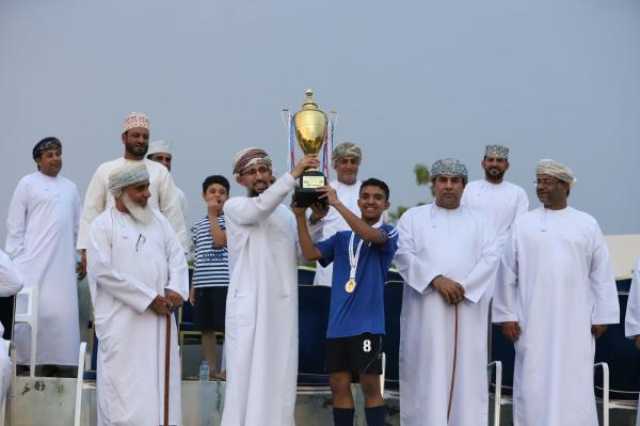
<point>307,193</point>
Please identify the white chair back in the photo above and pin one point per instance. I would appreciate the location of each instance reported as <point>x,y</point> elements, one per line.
<point>384,373</point>
<point>79,384</point>
<point>27,313</point>
<point>4,347</point>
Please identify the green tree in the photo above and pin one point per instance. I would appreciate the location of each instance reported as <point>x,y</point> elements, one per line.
<point>422,178</point>
<point>422,174</point>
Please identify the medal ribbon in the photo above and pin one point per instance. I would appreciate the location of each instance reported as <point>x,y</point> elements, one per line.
<point>354,256</point>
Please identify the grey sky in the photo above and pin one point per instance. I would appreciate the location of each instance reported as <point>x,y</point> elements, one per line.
<point>411,81</point>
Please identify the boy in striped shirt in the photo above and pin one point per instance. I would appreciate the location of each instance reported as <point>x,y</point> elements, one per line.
<point>211,269</point>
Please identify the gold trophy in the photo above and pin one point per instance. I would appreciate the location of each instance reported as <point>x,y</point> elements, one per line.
<point>311,131</point>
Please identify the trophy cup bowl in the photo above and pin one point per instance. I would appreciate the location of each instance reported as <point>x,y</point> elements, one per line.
<point>310,124</point>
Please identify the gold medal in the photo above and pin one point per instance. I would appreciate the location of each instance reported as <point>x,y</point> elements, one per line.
<point>350,286</point>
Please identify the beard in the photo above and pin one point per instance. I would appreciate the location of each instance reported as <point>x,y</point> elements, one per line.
<point>494,174</point>
<point>258,188</point>
<point>140,214</point>
<point>136,150</point>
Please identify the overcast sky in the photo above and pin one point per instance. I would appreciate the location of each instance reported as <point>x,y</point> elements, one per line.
<point>411,81</point>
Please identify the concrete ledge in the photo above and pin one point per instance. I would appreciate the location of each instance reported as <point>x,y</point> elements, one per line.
<point>50,401</point>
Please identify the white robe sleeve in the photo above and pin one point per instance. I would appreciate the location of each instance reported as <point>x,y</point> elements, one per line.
<point>95,201</point>
<point>506,289</point>
<point>603,284</point>
<point>17,220</point>
<point>10,279</point>
<point>483,274</point>
<point>178,270</point>
<point>123,287</point>
<point>632,320</point>
<point>414,270</point>
<point>171,207</point>
<point>252,210</point>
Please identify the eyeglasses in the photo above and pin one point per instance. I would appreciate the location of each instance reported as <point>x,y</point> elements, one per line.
<point>140,242</point>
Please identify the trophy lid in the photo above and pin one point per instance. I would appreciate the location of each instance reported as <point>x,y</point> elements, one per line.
<point>309,102</point>
<point>310,124</point>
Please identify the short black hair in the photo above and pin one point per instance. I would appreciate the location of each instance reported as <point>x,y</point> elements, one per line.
<point>210,180</point>
<point>379,183</point>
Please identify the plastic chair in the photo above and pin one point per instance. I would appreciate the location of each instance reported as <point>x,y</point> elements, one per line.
<point>29,316</point>
<point>497,395</point>
<point>383,374</point>
<point>619,386</point>
<point>499,400</point>
<point>4,346</point>
<point>90,373</point>
<point>79,384</point>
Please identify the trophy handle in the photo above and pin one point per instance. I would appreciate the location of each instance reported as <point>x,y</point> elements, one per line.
<point>287,118</point>
<point>284,115</point>
<point>332,117</point>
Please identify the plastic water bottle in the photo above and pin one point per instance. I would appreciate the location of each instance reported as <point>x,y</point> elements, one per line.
<point>204,371</point>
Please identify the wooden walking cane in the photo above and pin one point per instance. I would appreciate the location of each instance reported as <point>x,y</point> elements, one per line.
<point>167,360</point>
<point>455,361</point>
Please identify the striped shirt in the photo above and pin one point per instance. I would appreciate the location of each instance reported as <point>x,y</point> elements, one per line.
<point>211,263</point>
